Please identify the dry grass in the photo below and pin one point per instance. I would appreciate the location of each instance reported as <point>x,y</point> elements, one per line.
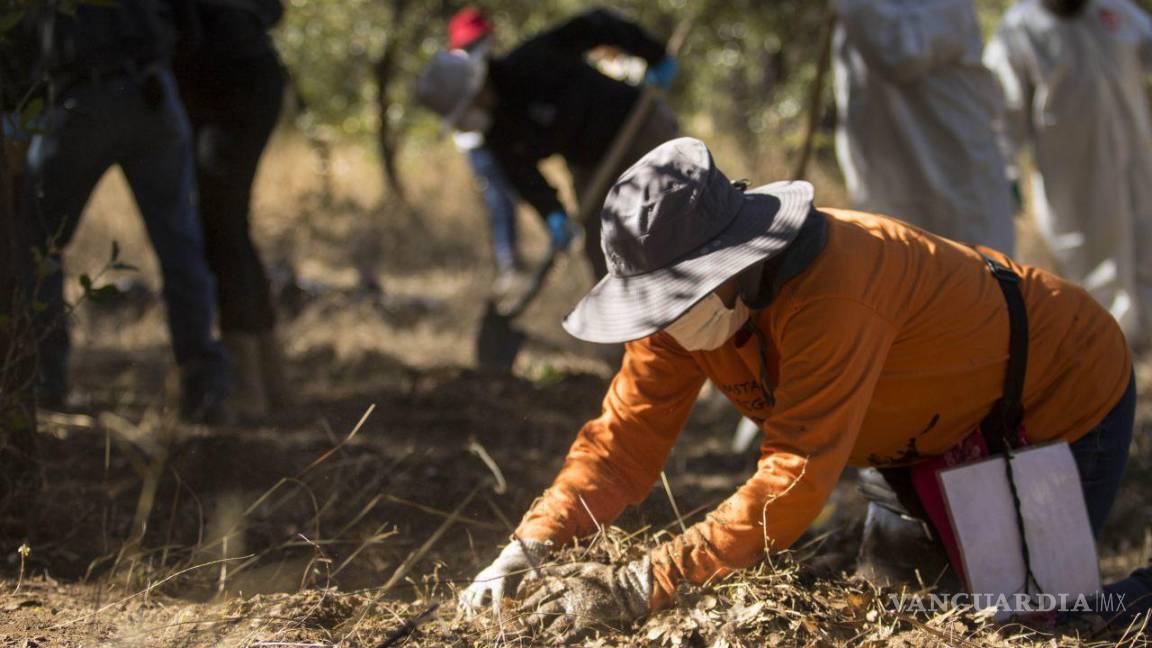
<point>778,603</point>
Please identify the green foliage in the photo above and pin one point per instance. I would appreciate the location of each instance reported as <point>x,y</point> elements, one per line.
<point>44,265</point>
<point>329,52</point>
<point>746,69</point>
<point>10,18</point>
<point>746,63</point>
<point>30,114</point>
<point>14,421</point>
<point>105,292</point>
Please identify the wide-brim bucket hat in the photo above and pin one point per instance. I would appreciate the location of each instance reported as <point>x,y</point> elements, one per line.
<point>673,229</point>
<point>450,83</point>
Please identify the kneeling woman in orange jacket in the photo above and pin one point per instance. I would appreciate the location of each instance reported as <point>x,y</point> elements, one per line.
<point>851,338</point>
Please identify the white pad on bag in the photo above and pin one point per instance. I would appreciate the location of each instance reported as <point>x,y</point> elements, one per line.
<point>1060,541</point>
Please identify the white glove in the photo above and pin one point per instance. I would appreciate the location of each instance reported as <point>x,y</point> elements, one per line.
<point>517,559</point>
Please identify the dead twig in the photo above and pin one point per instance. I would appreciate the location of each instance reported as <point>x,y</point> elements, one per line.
<point>672,501</point>
<point>408,627</point>
<point>336,448</point>
<point>142,592</point>
<point>411,560</point>
<point>500,514</point>
<point>375,538</point>
<point>415,556</point>
<point>442,514</point>
<point>476,448</point>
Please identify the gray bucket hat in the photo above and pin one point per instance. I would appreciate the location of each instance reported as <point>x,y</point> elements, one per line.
<point>673,229</point>
<point>450,82</point>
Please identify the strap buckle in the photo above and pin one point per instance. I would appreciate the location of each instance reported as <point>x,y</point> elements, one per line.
<point>1001,271</point>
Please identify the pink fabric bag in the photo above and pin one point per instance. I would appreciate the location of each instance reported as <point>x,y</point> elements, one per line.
<point>927,487</point>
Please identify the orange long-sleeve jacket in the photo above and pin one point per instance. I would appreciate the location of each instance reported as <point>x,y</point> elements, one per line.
<point>890,347</point>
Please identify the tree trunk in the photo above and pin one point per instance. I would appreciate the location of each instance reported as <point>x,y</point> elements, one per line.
<point>403,37</point>
<point>387,137</point>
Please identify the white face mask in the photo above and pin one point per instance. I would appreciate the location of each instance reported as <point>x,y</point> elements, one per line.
<point>708,324</point>
<point>474,120</point>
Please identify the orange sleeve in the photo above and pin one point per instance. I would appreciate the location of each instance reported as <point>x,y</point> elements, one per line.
<point>617,457</point>
<point>831,354</point>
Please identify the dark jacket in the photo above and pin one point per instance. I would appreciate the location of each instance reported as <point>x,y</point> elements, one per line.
<point>99,38</point>
<point>235,29</point>
<point>551,101</point>
<point>268,11</point>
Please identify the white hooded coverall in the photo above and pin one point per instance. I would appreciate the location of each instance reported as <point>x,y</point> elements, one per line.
<point>915,139</point>
<point>1075,93</point>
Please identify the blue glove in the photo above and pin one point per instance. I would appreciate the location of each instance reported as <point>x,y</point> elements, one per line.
<point>662,73</point>
<point>558,230</point>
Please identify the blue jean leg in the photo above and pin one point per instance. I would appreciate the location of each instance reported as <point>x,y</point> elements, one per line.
<point>160,168</point>
<point>500,200</point>
<point>1101,456</point>
<point>103,124</point>
<point>65,162</point>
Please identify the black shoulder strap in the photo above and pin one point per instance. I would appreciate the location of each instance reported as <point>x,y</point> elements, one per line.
<point>1000,427</point>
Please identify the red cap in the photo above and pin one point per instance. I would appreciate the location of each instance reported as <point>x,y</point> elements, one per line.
<point>466,27</point>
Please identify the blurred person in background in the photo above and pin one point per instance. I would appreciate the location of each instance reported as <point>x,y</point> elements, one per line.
<point>916,108</point>
<point>915,140</point>
<point>1073,73</point>
<point>470,31</point>
<point>113,101</point>
<point>233,85</point>
<point>542,99</point>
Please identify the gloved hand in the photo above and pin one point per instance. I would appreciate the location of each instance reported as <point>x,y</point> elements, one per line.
<point>661,74</point>
<point>558,230</point>
<point>520,557</point>
<point>572,600</point>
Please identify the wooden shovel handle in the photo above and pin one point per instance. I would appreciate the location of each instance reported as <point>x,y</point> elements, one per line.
<point>606,170</point>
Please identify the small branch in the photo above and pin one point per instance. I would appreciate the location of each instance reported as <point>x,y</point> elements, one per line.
<point>146,590</point>
<point>415,556</point>
<point>411,560</point>
<point>476,448</point>
<point>672,501</point>
<point>408,627</point>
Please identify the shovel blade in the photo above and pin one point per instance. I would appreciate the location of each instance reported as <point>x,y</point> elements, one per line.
<point>498,342</point>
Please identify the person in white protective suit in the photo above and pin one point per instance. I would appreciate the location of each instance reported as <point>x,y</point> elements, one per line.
<point>916,106</point>
<point>916,141</point>
<point>1073,76</point>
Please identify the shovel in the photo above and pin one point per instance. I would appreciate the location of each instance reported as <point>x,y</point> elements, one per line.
<point>499,342</point>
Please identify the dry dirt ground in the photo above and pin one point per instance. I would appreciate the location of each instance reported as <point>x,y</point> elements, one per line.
<point>399,468</point>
